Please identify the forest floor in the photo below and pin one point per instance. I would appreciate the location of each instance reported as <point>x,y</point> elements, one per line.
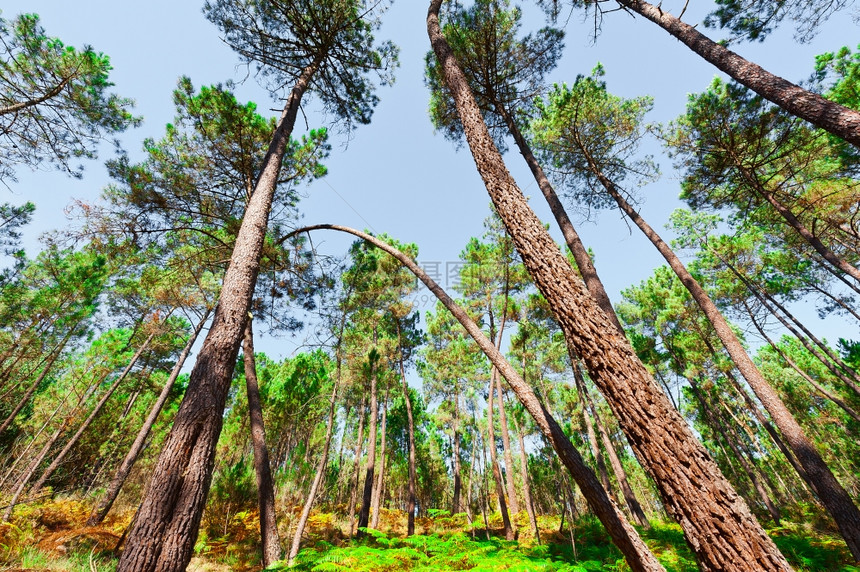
<point>52,536</point>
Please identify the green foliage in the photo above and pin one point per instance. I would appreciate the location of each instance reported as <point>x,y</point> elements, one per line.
<point>55,104</point>
<point>285,39</point>
<point>756,19</point>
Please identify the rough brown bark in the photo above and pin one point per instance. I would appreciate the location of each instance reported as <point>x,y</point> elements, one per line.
<point>167,522</point>
<point>630,499</point>
<point>717,524</point>
<point>751,473</point>
<point>269,540</point>
<point>622,534</point>
<point>837,119</point>
<point>571,237</point>
<point>102,508</point>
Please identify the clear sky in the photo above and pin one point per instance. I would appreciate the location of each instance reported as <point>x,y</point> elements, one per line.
<point>396,175</point>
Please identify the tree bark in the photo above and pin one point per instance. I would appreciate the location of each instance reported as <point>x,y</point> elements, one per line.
<point>380,477</point>
<point>102,508</point>
<point>717,524</point>
<point>457,468</point>
<point>527,492</point>
<point>166,526</point>
<point>506,448</point>
<point>830,116</point>
<point>353,493</point>
<point>630,499</point>
<point>833,496</point>
<point>269,540</point>
<point>364,513</point>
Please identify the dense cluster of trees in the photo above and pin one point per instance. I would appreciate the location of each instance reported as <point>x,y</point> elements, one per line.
<point>536,395</point>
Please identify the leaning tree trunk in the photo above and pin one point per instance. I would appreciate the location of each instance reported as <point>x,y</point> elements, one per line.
<point>167,522</point>
<point>457,468</point>
<point>91,417</point>
<point>592,437</point>
<point>571,237</point>
<point>315,485</point>
<point>527,492</point>
<point>630,499</point>
<point>269,540</point>
<point>717,523</point>
<point>828,115</point>
<point>622,534</point>
<point>364,513</point>
<point>833,496</point>
<point>102,508</point>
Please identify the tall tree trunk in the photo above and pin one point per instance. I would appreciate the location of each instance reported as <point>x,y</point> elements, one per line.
<point>592,438</point>
<point>356,469</point>
<point>410,505</point>
<point>91,417</point>
<point>497,473</point>
<point>827,115</point>
<point>376,501</point>
<point>166,526</point>
<point>25,399</point>
<point>364,513</point>
<point>318,477</point>
<point>833,496</point>
<point>270,542</point>
<point>630,499</point>
<point>506,448</point>
<point>717,524</point>
<point>102,508</point>
<point>571,237</point>
<point>457,468</point>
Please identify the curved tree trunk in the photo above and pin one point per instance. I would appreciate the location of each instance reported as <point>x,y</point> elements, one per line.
<point>102,508</point>
<point>717,523</point>
<point>830,116</point>
<point>167,522</point>
<point>269,540</point>
<point>623,535</point>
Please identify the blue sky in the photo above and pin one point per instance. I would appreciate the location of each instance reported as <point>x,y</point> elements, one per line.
<point>396,175</point>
